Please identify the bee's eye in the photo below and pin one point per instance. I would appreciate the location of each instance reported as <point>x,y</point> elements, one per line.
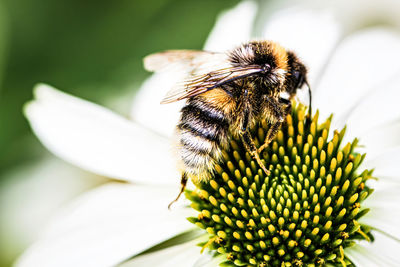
<point>296,75</point>
<point>266,67</point>
<point>298,79</point>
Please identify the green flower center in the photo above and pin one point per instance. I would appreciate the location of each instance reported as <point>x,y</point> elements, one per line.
<point>305,212</point>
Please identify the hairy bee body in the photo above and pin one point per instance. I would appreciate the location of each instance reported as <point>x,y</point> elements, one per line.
<point>226,93</point>
<point>202,132</point>
<point>207,124</point>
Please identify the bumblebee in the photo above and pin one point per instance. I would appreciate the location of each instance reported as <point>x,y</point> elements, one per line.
<point>226,94</point>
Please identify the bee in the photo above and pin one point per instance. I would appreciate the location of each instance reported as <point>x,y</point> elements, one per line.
<point>226,94</point>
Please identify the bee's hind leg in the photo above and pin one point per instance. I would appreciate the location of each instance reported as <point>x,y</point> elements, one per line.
<point>252,149</point>
<point>184,180</point>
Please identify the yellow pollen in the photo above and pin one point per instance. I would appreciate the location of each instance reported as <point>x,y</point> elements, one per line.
<point>342,256</point>
<point>361,231</point>
<point>229,256</point>
<point>345,235</point>
<point>298,262</point>
<point>201,195</point>
<point>208,243</point>
<point>218,240</point>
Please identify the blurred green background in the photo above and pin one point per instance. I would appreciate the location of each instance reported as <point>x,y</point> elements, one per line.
<point>92,49</point>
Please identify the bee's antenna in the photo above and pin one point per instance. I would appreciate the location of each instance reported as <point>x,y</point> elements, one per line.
<point>309,99</point>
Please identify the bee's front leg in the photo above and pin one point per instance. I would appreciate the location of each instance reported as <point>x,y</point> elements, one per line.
<point>285,106</point>
<point>252,149</point>
<point>272,131</point>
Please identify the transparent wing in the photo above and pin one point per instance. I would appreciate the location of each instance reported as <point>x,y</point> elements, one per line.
<point>202,70</point>
<point>185,58</point>
<point>205,82</point>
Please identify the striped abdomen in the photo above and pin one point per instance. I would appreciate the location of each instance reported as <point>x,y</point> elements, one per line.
<point>202,130</point>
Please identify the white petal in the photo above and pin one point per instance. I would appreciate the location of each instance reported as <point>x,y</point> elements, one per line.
<point>312,34</point>
<point>379,139</point>
<point>146,108</point>
<point>186,254</point>
<point>30,193</point>
<point>356,14</point>
<point>183,255</point>
<point>386,165</point>
<point>208,260</point>
<point>382,252</point>
<point>107,226</point>
<point>98,140</point>
<point>362,62</point>
<point>376,109</point>
<point>233,27</point>
<point>384,207</point>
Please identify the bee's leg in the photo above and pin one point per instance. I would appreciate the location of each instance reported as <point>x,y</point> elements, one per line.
<point>248,140</point>
<point>184,180</point>
<point>252,149</point>
<point>272,131</point>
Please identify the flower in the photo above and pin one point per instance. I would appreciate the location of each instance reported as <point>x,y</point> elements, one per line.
<point>306,212</point>
<point>353,76</point>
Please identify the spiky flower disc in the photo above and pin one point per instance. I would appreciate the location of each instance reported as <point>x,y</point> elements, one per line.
<point>305,212</point>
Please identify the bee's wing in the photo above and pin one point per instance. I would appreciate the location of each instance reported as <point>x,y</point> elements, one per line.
<point>202,83</point>
<point>184,58</point>
<point>204,71</point>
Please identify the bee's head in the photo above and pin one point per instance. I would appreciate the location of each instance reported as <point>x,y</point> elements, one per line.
<point>269,56</point>
<point>296,76</point>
